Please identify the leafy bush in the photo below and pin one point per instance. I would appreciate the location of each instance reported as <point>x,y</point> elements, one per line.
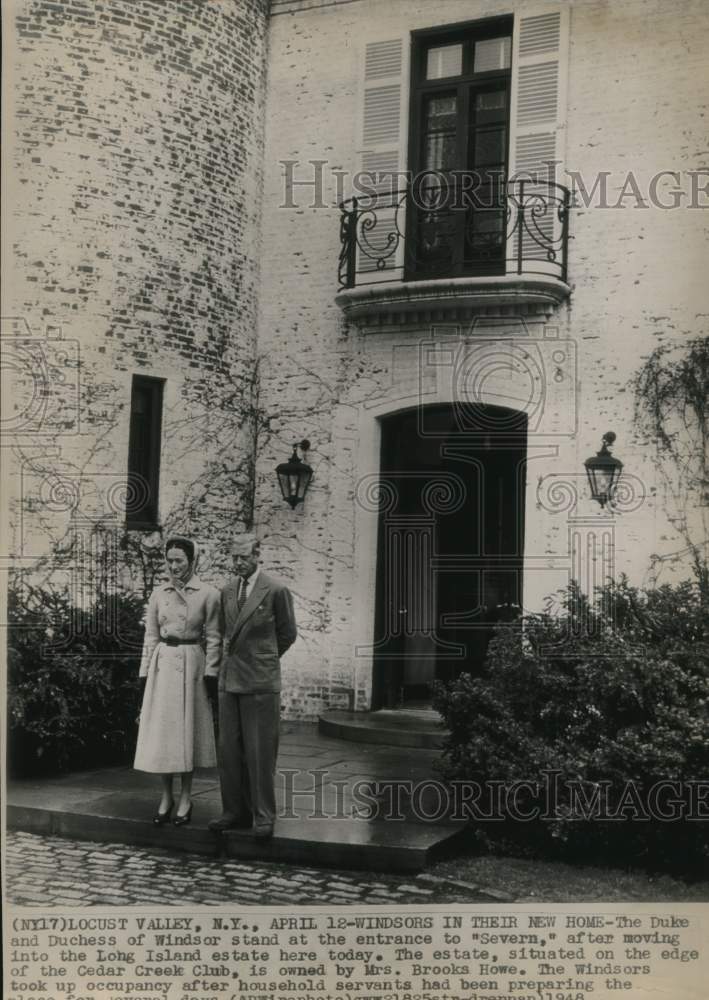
<point>591,708</point>
<point>72,680</point>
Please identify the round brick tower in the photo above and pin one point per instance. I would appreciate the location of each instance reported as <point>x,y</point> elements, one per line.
<point>135,194</point>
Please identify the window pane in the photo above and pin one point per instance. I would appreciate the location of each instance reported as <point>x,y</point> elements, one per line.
<point>439,151</point>
<point>490,147</point>
<point>435,239</point>
<point>485,236</point>
<point>140,401</point>
<point>492,53</point>
<point>489,222</point>
<point>444,60</point>
<point>441,113</point>
<point>439,140</point>
<point>490,107</point>
<point>489,188</point>
<point>144,451</point>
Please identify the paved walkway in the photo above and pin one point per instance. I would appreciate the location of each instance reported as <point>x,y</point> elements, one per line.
<point>350,805</point>
<point>55,871</point>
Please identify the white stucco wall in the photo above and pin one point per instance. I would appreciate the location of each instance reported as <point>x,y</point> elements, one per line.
<point>637,282</point>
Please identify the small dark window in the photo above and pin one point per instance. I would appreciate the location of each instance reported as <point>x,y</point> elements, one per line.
<point>459,148</point>
<point>144,452</point>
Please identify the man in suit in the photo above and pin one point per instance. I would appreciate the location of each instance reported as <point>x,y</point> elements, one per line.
<point>259,626</point>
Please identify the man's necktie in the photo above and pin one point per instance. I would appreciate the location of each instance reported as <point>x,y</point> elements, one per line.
<point>241,599</point>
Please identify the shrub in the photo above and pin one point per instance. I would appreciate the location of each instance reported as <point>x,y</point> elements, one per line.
<point>592,708</point>
<point>72,680</point>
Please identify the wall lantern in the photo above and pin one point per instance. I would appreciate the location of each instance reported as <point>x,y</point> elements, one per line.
<point>603,472</point>
<point>294,476</point>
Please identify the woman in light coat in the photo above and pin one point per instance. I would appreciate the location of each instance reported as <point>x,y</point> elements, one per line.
<point>176,731</point>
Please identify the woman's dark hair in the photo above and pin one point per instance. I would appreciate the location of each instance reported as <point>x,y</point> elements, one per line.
<point>180,543</point>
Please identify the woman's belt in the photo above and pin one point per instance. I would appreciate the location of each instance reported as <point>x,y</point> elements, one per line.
<point>172,641</point>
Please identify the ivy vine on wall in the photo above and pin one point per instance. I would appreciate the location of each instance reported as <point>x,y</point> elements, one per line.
<point>671,407</point>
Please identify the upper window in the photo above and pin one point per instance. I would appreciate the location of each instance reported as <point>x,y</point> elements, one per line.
<point>144,451</point>
<point>459,149</point>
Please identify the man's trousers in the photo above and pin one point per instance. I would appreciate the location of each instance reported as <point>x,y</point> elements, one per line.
<point>248,748</point>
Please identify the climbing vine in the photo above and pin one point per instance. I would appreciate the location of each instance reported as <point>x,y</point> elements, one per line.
<point>671,407</point>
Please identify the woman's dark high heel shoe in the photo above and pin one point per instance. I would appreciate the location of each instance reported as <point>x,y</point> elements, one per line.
<point>160,819</point>
<point>181,820</point>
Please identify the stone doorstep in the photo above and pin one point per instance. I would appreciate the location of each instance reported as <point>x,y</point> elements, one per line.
<point>392,729</point>
<point>372,846</point>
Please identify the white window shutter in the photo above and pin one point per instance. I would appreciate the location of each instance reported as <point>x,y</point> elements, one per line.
<point>538,127</point>
<point>380,252</point>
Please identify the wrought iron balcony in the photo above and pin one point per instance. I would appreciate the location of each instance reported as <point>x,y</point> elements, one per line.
<point>477,241</point>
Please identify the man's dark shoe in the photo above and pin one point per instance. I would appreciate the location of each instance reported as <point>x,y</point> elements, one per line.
<point>228,823</point>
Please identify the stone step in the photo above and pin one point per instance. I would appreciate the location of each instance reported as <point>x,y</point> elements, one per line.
<point>352,844</point>
<point>316,777</point>
<point>422,729</point>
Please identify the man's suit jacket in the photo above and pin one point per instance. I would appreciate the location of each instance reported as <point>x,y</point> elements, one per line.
<point>256,638</point>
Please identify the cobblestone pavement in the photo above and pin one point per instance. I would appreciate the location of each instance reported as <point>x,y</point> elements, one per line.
<point>57,871</point>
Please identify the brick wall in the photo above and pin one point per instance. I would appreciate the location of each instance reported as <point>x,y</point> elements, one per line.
<point>135,198</point>
<point>141,169</point>
<point>637,277</point>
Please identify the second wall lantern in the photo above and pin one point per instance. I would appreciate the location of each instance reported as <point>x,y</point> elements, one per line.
<point>603,471</point>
